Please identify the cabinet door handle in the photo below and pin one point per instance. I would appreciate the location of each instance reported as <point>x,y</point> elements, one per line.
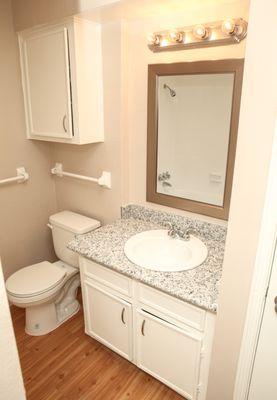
<point>142,327</point>
<point>122,316</point>
<point>64,120</point>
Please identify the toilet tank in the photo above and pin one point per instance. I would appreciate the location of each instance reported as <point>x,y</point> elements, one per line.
<point>65,225</point>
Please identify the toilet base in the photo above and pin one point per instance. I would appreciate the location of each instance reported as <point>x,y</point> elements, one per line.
<point>42,319</point>
<point>45,317</point>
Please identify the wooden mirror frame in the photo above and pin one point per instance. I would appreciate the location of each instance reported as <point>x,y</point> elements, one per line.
<point>234,66</point>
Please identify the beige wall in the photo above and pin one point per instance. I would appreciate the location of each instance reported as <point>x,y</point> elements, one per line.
<point>125,85</point>
<point>27,13</point>
<point>91,160</point>
<point>124,151</point>
<point>125,98</point>
<point>139,57</point>
<point>24,208</point>
<point>256,132</point>
<point>125,102</point>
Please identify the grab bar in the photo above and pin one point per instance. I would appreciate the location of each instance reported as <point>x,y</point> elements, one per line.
<point>104,180</point>
<point>21,176</point>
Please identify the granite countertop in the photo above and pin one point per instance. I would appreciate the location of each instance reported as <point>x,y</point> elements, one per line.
<point>198,286</point>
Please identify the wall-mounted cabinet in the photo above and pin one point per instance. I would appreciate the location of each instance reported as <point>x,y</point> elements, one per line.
<point>62,81</point>
<point>166,337</point>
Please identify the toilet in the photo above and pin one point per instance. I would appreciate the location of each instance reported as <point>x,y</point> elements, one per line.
<point>48,290</point>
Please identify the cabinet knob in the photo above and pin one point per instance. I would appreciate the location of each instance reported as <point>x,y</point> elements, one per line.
<point>64,121</point>
<point>142,327</point>
<point>122,316</point>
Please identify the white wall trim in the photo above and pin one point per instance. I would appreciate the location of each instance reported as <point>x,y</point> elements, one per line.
<point>261,277</point>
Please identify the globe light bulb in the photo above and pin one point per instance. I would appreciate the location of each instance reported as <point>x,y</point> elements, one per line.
<point>154,39</point>
<point>229,27</point>
<point>164,42</point>
<point>176,36</point>
<point>200,32</point>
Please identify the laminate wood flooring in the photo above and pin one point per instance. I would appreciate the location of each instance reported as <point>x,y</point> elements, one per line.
<point>66,364</point>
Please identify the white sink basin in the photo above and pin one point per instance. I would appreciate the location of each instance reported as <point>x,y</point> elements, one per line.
<point>158,251</point>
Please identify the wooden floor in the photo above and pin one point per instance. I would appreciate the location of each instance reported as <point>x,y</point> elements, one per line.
<point>67,364</point>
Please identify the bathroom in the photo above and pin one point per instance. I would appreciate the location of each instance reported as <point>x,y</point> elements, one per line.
<point>215,322</point>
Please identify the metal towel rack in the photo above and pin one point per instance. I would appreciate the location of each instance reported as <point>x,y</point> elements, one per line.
<point>104,180</point>
<point>21,176</point>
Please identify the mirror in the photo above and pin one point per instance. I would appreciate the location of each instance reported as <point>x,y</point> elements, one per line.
<point>193,111</point>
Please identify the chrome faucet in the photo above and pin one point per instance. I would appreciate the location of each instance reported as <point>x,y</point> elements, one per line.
<point>173,232</point>
<point>188,232</point>
<point>166,184</point>
<point>164,176</point>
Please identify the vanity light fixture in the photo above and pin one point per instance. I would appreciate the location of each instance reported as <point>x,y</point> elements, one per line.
<point>154,40</point>
<point>201,32</point>
<point>219,33</point>
<point>164,42</point>
<point>236,28</point>
<point>228,26</point>
<point>176,36</point>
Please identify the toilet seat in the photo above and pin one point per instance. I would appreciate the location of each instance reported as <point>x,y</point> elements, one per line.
<point>35,280</point>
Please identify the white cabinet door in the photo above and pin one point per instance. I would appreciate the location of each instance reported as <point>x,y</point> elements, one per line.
<point>46,71</point>
<point>108,319</point>
<point>169,353</point>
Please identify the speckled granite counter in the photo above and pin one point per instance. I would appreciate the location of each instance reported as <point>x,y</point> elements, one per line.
<point>198,286</point>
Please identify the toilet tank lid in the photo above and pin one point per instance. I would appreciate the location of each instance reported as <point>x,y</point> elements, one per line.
<point>73,222</point>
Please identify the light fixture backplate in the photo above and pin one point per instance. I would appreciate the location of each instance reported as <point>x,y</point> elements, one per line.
<point>215,38</point>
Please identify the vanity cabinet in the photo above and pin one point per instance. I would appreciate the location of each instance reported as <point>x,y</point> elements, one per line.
<point>61,67</point>
<point>169,353</point>
<point>108,319</point>
<point>166,337</point>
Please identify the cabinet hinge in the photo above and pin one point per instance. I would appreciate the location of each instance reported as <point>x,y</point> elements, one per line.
<point>266,292</point>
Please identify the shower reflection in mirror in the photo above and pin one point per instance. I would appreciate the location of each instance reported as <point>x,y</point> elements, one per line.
<point>193,113</point>
<point>193,135</point>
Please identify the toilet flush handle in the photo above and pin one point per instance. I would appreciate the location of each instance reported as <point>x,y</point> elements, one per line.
<point>50,226</point>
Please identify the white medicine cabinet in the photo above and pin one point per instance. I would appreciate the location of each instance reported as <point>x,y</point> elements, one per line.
<point>61,67</point>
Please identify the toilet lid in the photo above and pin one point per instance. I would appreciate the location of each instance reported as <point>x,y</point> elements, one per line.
<point>35,279</point>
